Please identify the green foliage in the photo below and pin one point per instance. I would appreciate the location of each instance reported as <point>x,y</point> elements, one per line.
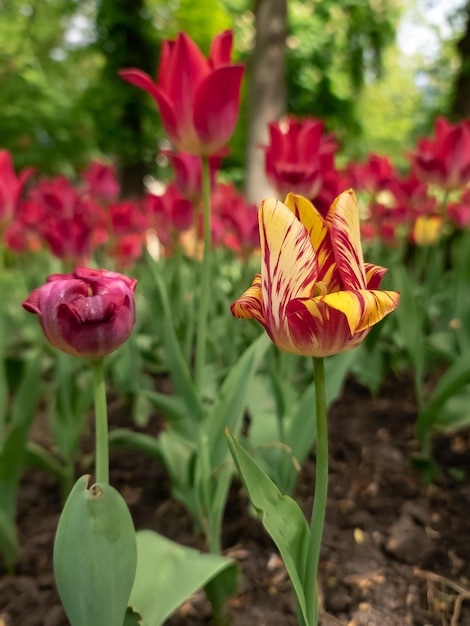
<point>332,48</point>
<point>390,108</point>
<point>125,117</point>
<point>168,574</point>
<point>43,74</point>
<point>95,555</point>
<point>191,17</point>
<point>280,515</point>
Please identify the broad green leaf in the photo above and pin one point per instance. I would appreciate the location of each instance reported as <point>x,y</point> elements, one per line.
<point>280,514</point>
<point>95,555</point>
<point>168,574</point>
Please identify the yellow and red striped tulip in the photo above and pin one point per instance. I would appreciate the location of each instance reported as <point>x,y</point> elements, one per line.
<point>315,296</point>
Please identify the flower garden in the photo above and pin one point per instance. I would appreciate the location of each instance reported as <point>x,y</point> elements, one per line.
<point>222,413</point>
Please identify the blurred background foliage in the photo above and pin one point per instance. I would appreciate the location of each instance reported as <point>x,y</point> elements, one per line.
<point>62,102</point>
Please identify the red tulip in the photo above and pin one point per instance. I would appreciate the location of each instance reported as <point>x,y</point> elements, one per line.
<point>372,176</point>
<point>101,181</point>
<point>459,212</point>
<point>10,187</point>
<point>444,161</point>
<point>198,98</point>
<point>89,313</point>
<point>298,156</point>
<point>170,214</point>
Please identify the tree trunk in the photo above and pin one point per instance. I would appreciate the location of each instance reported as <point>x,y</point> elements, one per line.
<point>460,107</point>
<point>266,90</point>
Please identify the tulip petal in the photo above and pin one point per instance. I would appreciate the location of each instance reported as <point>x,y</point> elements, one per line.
<point>143,80</point>
<point>315,329</point>
<point>362,308</point>
<point>306,213</point>
<point>342,220</point>
<point>374,275</point>
<point>221,49</point>
<point>216,106</point>
<point>187,69</point>
<point>249,305</point>
<point>288,265</point>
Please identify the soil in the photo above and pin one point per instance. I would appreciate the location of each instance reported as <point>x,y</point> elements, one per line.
<point>396,552</point>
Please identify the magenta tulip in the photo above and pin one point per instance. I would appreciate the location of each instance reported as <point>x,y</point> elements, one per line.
<point>88,313</point>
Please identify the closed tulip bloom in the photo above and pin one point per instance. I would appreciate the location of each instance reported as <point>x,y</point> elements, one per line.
<point>445,159</point>
<point>315,296</point>
<point>198,98</point>
<point>298,155</point>
<point>88,313</point>
<point>427,230</point>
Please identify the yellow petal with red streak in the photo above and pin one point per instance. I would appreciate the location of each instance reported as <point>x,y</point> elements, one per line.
<point>249,304</point>
<point>363,308</point>
<point>342,221</point>
<point>320,238</point>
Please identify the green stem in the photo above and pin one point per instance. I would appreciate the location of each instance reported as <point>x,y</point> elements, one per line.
<point>321,490</point>
<point>101,423</point>
<point>204,292</point>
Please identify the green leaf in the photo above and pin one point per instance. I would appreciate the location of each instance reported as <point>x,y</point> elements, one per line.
<point>212,478</point>
<point>228,411</point>
<point>455,378</point>
<point>132,618</point>
<point>298,426</point>
<point>95,555</point>
<point>168,574</point>
<point>179,370</point>
<point>13,448</point>
<point>173,407</point>
<point>280,514</point>
<point>8,540</point>
<point>410,317</point>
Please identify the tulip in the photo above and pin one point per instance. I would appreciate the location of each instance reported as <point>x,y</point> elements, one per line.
<point>10,187</point>
<point>315,296</point>
<point>88,313</point>
<point>101,182</point>
<point>372,176</point>
<point>198,98</point>
<point>298,156</point>
<point>444,160</point>
<point>426,230</point>
<point>169,214</point>
<point>459,212</point>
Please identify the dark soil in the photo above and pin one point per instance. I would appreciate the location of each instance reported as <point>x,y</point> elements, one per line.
<point>396,552</point>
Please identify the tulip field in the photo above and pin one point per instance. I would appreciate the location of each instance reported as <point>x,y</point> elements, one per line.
<point>213,412</point>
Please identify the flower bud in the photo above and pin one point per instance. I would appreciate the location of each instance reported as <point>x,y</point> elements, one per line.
<point>88,313</point>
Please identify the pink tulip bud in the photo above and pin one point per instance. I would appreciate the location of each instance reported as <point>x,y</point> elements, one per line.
<point>88,313</point>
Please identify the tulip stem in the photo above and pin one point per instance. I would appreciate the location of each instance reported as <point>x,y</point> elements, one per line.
<point>101,423</point>
<point>204,292</point>
<point>319,500</point>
